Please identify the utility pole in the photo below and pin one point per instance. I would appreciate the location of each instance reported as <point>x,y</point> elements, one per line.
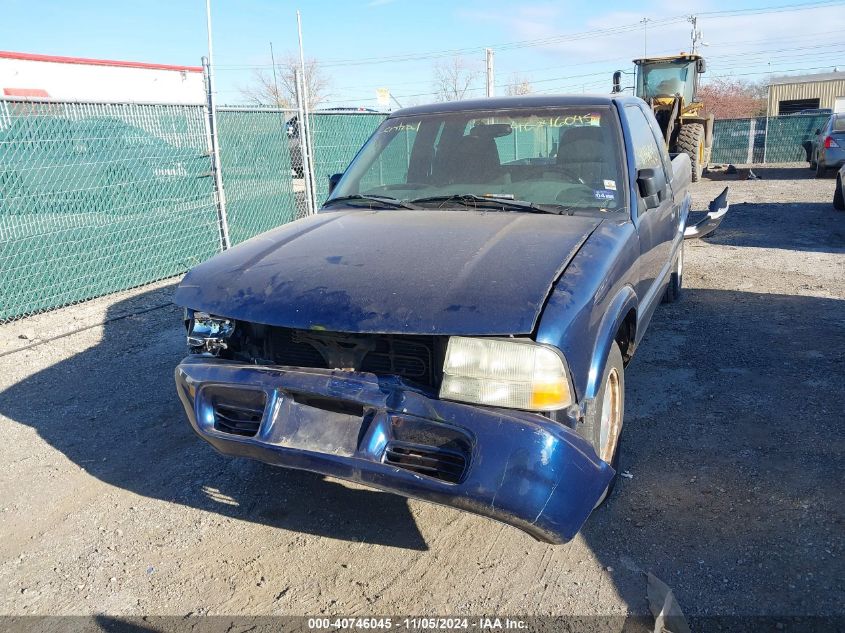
<point>211,98</point>
<point>491,86</point>
<point>695,35</point>
<point>645,22</point>
<point>278,99</point>
<point>305,125</point>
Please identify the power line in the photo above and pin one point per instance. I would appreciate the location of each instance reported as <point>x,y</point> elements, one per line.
<point>536,42</point>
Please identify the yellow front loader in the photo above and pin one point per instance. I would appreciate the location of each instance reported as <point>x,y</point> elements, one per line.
<point>669,85</point>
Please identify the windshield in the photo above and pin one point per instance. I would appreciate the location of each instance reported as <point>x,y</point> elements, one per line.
<point>666,79</point>
<point>566,158</point>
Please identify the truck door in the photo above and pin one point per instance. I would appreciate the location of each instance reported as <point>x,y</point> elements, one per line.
<point>656,225</point>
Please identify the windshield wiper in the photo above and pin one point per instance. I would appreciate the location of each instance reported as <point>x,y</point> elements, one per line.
<point>486,202</point>
<point>386,201</point>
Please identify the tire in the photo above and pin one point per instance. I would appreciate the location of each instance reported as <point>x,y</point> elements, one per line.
<point>691,143</point>
<point>676,279</point>
<point>821,170</point>
<point>611,394</point>
<point>838,196</point>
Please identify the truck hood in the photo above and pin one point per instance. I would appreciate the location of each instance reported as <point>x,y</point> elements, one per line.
<point>414,272</point>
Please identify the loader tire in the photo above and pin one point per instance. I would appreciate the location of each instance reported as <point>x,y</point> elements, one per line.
<point>691,143</point>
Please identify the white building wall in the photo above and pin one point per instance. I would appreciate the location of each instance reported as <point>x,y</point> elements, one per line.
<point>94,82</point>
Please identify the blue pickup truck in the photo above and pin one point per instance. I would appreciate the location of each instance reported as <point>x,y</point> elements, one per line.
<point>455,322</point>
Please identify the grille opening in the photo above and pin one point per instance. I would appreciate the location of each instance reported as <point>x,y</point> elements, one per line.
<point>238,413</point>
<point>415,358</point>
<point>447,466</point>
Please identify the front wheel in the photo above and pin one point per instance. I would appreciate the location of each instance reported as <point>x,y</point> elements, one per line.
<point>603,423</point>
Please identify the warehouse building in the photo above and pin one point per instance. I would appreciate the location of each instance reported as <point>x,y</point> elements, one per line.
<point>788,95</point>
<point>24,75</point>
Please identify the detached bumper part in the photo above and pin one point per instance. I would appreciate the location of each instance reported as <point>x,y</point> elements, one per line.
<point>516,467</point>
<point>717,210</point>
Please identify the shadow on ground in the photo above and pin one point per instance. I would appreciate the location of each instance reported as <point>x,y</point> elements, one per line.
<point>733,436</point>
<point>764,173</point>
<point>113,410</point>
<point>781,227</point>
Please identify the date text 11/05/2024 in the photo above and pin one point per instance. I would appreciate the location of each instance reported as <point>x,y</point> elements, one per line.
<point>480,623</point>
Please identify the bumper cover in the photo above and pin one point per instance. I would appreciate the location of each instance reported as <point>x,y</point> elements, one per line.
<point>518,468</point>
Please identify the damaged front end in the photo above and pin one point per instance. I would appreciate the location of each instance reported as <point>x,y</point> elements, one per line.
<point>365,407</point>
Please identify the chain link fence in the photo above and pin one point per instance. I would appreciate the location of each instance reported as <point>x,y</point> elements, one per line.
<point>101,197</point>
<point>336,138</point>
<point>782,139</point>
<point>258,169</point>
<point>96,198</point>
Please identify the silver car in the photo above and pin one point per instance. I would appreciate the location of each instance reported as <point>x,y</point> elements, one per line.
<point>839,192</point>
<point>829,146</point>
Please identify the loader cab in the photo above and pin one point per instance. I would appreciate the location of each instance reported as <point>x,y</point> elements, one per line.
<point>669,77</point>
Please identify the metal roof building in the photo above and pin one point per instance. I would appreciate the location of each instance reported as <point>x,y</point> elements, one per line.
<point>788,95</point>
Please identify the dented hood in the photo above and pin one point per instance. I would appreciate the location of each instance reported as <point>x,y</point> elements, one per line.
<point>414,272</point>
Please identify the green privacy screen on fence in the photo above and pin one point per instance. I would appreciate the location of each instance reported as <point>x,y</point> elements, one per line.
<point>96,198</point>
<point>782,139</point>
<point>255,161</point>
<point>336,140</point>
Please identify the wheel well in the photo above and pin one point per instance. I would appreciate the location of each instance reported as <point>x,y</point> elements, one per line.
<point>625,335</point>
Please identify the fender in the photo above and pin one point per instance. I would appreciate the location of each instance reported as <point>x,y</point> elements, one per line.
<point>622,303</point>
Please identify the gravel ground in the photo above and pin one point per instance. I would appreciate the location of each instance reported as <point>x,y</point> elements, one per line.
<point>734,438</point>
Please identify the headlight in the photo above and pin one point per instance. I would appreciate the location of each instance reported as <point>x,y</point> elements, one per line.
<point>514,373</point>
<point>208,334</point>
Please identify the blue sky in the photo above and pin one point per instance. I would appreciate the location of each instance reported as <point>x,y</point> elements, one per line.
<point>745,45</point>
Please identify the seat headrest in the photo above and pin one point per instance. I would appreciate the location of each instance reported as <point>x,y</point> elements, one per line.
<point>581,144</point>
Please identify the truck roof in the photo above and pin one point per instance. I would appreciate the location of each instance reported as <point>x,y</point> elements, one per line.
<point>510,103</point>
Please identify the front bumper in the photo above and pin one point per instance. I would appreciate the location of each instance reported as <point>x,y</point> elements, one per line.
<point>519,468</point>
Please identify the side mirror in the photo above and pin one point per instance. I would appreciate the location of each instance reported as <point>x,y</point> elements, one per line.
<point>652,186</point>
<point>700,66</point>
<point>617,81</point>
<point>818,131</point>
<point>333,180</point>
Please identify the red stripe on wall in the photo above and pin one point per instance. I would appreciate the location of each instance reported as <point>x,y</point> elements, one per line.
<point>34,57</point>
<point>25,92</point>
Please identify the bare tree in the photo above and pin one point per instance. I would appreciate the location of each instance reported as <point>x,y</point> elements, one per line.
<point>729,98</point>
<point>453,79</point>
<point>519,84</point>
<point>279,90</point>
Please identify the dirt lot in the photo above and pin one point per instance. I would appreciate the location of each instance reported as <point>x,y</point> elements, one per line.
<point>733,436</point>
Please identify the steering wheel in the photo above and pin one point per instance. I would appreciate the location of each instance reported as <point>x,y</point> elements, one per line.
<point>568,172</point>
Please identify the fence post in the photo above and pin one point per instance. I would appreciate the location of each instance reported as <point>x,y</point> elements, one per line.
<point>752,127</point>
<point>214,146</point>
<point>766,137</point>
<point>304,142</point>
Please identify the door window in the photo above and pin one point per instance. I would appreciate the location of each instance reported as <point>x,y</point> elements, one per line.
<point>646,151</point>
